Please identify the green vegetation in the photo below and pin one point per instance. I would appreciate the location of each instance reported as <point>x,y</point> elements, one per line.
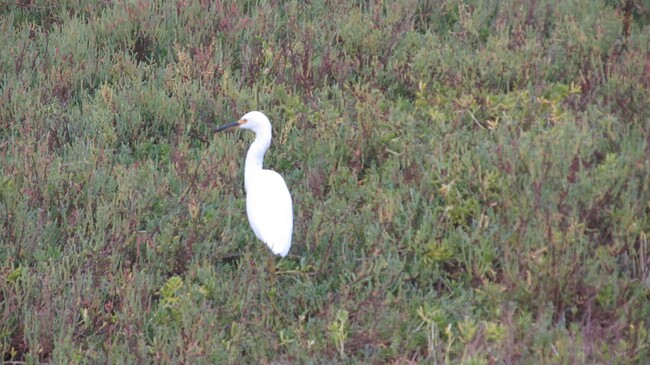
<point>471,181</point>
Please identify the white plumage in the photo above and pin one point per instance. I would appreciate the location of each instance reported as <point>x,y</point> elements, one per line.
<point>268,201</point>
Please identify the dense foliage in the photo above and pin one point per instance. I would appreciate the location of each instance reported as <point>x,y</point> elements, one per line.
<point>471,181</point>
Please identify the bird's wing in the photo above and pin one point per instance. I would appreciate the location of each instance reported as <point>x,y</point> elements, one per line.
<point>270,211</point>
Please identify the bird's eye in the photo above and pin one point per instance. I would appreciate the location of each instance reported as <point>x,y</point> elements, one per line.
<point>243,121</point>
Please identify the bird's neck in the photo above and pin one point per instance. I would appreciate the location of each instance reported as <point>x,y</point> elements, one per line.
<point>255,156</point>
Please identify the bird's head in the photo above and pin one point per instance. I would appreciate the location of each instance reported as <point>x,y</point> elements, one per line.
<point>255,121</point>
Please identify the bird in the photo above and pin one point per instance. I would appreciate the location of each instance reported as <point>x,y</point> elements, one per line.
<point>268,201</point>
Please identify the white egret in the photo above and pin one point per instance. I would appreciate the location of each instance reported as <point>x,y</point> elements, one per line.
<point>268,201</point>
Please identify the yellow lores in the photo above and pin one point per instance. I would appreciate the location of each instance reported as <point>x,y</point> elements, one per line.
<point>268,201</point>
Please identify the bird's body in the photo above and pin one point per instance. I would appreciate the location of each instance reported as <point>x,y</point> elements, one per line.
<point>269,211</point>
<point>268,201</point>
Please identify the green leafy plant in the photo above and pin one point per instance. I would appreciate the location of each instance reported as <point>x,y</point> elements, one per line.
<point>469,181</point>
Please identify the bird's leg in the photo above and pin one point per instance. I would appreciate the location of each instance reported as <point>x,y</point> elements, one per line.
<point>271,264</point>
<point>271,291</point>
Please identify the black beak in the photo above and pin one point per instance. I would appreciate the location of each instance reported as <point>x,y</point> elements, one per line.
<point>227,127</point>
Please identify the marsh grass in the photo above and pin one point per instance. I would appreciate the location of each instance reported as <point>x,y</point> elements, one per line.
<point>471,182</point>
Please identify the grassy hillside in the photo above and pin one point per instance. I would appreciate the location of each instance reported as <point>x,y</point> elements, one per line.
<point>471,181</point>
